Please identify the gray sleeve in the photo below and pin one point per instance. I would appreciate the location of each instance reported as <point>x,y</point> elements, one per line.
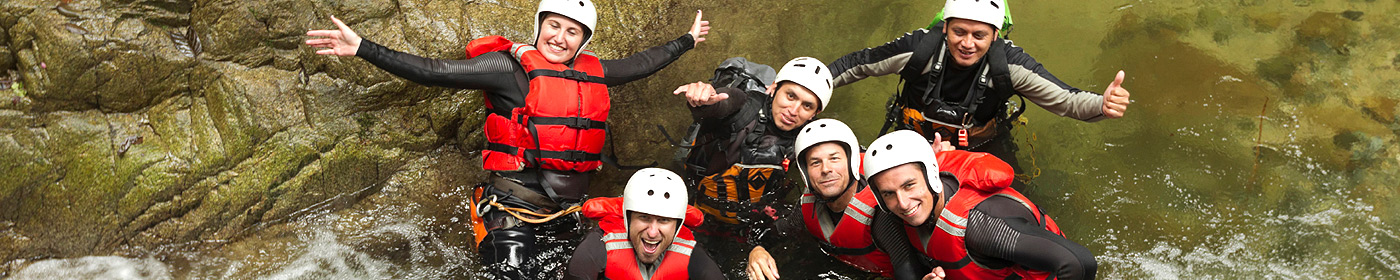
<point>1033,81</point>
<point>877,61</point>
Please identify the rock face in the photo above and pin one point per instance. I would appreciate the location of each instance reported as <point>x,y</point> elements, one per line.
<point>131,124</point>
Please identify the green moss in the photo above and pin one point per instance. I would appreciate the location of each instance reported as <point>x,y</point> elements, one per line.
<point>18,88</point>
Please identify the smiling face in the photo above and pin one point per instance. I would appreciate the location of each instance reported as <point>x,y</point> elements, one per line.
<point>904,191</point>
<point>793,106</point>
<point>968,40</point>
<point>828,169</point>
<point>650,235</point>
<point>560,38</point>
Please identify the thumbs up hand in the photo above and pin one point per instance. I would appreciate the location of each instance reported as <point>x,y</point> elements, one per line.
<point>1115,98</point>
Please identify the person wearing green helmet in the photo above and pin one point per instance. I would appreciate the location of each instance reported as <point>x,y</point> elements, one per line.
<point>547,104</point>
<point>959,76</point>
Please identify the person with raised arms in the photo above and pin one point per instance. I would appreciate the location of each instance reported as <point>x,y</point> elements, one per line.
<point>547,104</point>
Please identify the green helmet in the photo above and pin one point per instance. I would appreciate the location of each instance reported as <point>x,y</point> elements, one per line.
<point>1005,31</point>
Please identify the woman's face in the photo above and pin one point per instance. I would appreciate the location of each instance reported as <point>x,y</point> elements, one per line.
<point>560,38</point>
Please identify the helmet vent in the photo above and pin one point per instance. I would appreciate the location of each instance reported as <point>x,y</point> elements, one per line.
<point>890,146</point>
<point>823,125</point>
<point>580,3</point>
<point>651,192</point>
<point>667,195</point>
<point>994,4</point>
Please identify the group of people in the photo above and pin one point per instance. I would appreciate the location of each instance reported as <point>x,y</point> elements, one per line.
<point>911,206</point>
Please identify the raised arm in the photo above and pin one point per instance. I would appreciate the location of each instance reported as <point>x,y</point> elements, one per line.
<point>491,71</point>
<point>885,59</point>
<point>643,64</point>
<point>1033,81</point>
<point>488,72</point>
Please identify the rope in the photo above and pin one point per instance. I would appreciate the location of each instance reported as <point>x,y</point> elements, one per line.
<point>538,218</point>
<point>1034,171</point>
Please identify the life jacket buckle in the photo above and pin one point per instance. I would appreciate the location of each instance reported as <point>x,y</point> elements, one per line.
<point>578,123</point>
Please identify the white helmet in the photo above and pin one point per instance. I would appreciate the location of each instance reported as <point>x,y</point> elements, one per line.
<point>581,11</point>
<point>809,73</point>
<point>655,191</point>
<point>822,131</point>
<point>991,12</point>
<point>898,148</point>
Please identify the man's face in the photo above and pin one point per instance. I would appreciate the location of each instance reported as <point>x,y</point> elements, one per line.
<point>560,38</point>
<point>650,235</point>
<point>828,169</point>
<point>968,40</point>
<point>793,106</point>
<point>904,191</point>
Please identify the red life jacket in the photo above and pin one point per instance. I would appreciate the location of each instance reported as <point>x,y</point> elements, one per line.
<point>981,176</point>
<point>622,260</point>
<point>849,240</point>
<point>563,123</point>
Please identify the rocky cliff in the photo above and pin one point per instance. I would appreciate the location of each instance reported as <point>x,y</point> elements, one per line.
<point>128,124</point>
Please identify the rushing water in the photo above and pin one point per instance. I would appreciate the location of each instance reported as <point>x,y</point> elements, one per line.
<point>1261,144</point>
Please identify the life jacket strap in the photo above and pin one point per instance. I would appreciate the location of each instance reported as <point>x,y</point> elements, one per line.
<point>571,122</point>
<point>531,155</point>
<point>566,74</point>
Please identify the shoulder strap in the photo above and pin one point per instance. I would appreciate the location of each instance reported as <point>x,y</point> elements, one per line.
<point>919,60</point>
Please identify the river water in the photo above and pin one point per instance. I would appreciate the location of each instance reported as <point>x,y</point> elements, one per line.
<point>1261,143</point>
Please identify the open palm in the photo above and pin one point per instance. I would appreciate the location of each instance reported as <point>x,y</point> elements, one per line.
<point>341,42</point>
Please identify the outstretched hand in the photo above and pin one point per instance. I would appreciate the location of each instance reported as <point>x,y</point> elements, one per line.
<point>341,42</point>
<point>1115,98</point>
<point>700,94</point>
<point>936,274</point>
<point>699,28</point>
<point>761,265</point>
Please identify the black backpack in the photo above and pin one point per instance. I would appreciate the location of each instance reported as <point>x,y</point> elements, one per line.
<point>735,72</point>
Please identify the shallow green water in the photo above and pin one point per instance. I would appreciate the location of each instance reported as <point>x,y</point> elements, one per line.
<point>1261,144</point>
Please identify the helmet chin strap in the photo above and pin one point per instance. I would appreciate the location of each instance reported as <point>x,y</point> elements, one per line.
<point>933,213</point>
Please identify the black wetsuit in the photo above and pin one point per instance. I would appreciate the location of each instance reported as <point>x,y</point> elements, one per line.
<point>1000,232</point>
<point>500,76</point>
<point>1020,75</point>
<point>591,258</point>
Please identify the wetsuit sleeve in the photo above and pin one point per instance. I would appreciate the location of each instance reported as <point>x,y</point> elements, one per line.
<point>890,238</point>
<point>788,229</point>
<point>885,59</point>
<point>723,108</point>
<point>589,259</point>
<point>1003,232</point>
<point>702,266</point>
<point>491,71</point>
<point>1033,81</point>
<point>645,63</point>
